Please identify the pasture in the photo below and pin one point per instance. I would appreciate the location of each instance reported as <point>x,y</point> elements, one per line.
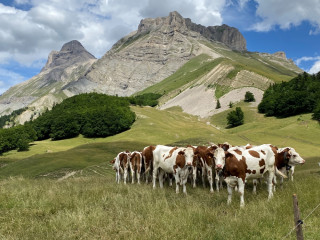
<point>36,202</point>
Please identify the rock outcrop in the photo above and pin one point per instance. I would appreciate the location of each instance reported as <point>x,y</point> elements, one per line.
<point>229,36</point>
<point>62,67</point>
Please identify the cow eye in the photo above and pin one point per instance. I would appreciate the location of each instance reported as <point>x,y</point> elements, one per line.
<point>294,155</point>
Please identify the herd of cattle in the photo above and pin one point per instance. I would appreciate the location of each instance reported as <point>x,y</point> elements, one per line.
<point>232,164</point>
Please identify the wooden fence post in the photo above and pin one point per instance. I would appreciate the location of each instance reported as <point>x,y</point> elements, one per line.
<point>297,219</point>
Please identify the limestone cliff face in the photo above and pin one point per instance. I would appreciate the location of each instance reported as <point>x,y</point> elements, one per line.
<point>229,36</point>
<point>155,51</point>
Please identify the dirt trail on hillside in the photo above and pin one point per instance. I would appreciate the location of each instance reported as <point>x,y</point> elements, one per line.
<point>201,101</point>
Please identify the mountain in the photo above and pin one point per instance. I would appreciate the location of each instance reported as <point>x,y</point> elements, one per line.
<point>169,55</point>
<point>44,90</point>
<point>155,51</point>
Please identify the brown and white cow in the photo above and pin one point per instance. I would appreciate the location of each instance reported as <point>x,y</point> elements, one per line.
<point>206,162</point>
<point>147,156</point>
<point>239,165</point>
<point>135,165</point>
<point>121,165</point>
<point>175,160</point>
<point>286,160</point>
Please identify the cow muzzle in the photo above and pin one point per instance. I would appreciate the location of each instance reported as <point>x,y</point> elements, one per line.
<point>219,167</point>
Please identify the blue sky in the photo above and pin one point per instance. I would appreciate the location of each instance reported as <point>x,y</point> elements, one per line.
<point>31,29</point>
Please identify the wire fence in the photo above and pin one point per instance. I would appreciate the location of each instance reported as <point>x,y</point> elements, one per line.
<point>301,222</point>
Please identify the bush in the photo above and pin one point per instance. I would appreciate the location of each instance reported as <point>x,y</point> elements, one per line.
<point>235,117</point>
<point>249,97</point>
<point>218,104</point>
<point>299,95</point>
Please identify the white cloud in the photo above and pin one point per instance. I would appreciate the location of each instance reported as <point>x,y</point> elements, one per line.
<point>315,68</point>
<point>315,63</point>
<point>287,13</point>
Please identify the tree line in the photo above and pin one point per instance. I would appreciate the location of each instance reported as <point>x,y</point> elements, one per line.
<point>299,95</point>
<point>90,114</point>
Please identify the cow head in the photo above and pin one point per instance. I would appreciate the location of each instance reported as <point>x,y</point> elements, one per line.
<point>219,158</point>
<point>294,157</point>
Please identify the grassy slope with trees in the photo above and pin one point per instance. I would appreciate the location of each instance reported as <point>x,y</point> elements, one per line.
<point>90,205</point>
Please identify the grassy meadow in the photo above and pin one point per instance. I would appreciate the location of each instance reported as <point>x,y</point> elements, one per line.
<point>37,202</point>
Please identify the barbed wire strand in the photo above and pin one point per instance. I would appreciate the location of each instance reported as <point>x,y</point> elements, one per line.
<point>300,222</point>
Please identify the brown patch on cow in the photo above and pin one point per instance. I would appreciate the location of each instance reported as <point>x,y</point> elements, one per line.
<point>181,159</point>
<point>264,153</point>
<point>254,171</point>
<point>235,167</point>
<point>170,153</point>
<point>262,170</point>
<point>147,156</point>
<point>262,162</point>
<point>136,161</point>
<point>123,157</point>
<point>206,153</point>
<point>249,146</point>
<point>238,151</point>
<point>254,154</point>
<point>282,158</point>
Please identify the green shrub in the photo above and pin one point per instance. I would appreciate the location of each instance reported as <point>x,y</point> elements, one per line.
<point>249,97</point>
<point>235,118</point>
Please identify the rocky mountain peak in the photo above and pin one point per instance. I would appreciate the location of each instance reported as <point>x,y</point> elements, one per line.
<point>73,46</point>
<point>280,54</point>
<point>230,36</point>
<point>71,53</point>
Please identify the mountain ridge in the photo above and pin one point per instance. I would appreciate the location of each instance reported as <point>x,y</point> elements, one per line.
<point>144,58</point>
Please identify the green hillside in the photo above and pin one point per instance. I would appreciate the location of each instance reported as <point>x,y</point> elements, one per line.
<point>171,127</point>
<point>190,73</point>
<point>90,205</point>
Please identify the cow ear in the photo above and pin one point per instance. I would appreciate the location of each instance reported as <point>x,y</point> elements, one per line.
<point>181,153</point>
<point>113,161</point>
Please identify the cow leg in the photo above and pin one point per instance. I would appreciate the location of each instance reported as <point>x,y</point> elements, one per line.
<point>132,173</point>
<point>154,176</point>
<point>184,181</point>
<point>203,175</point>
<point>117,176</point>
<point>217,181</point>
<point>241,184</point>
<point>161,173</point>
<point>255,182</point>
<point>147,175</point>
<point>210,180</point>
<point>221,182</point>
<point>125,174</point>
<point>176,175</point>
<point>229,193</point>
<point>292,172</point>
<point>170,179</point>
<point>194,176</point>
<point>138,173</point>
<point>269,182</point>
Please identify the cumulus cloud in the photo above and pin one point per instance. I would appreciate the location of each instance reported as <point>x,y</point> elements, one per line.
<point>287,13</point>
<point>315,68</point>
<point>28,35</point>
<point>315,63</point>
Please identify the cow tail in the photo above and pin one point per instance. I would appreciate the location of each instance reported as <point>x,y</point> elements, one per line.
<point>279,173</point>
